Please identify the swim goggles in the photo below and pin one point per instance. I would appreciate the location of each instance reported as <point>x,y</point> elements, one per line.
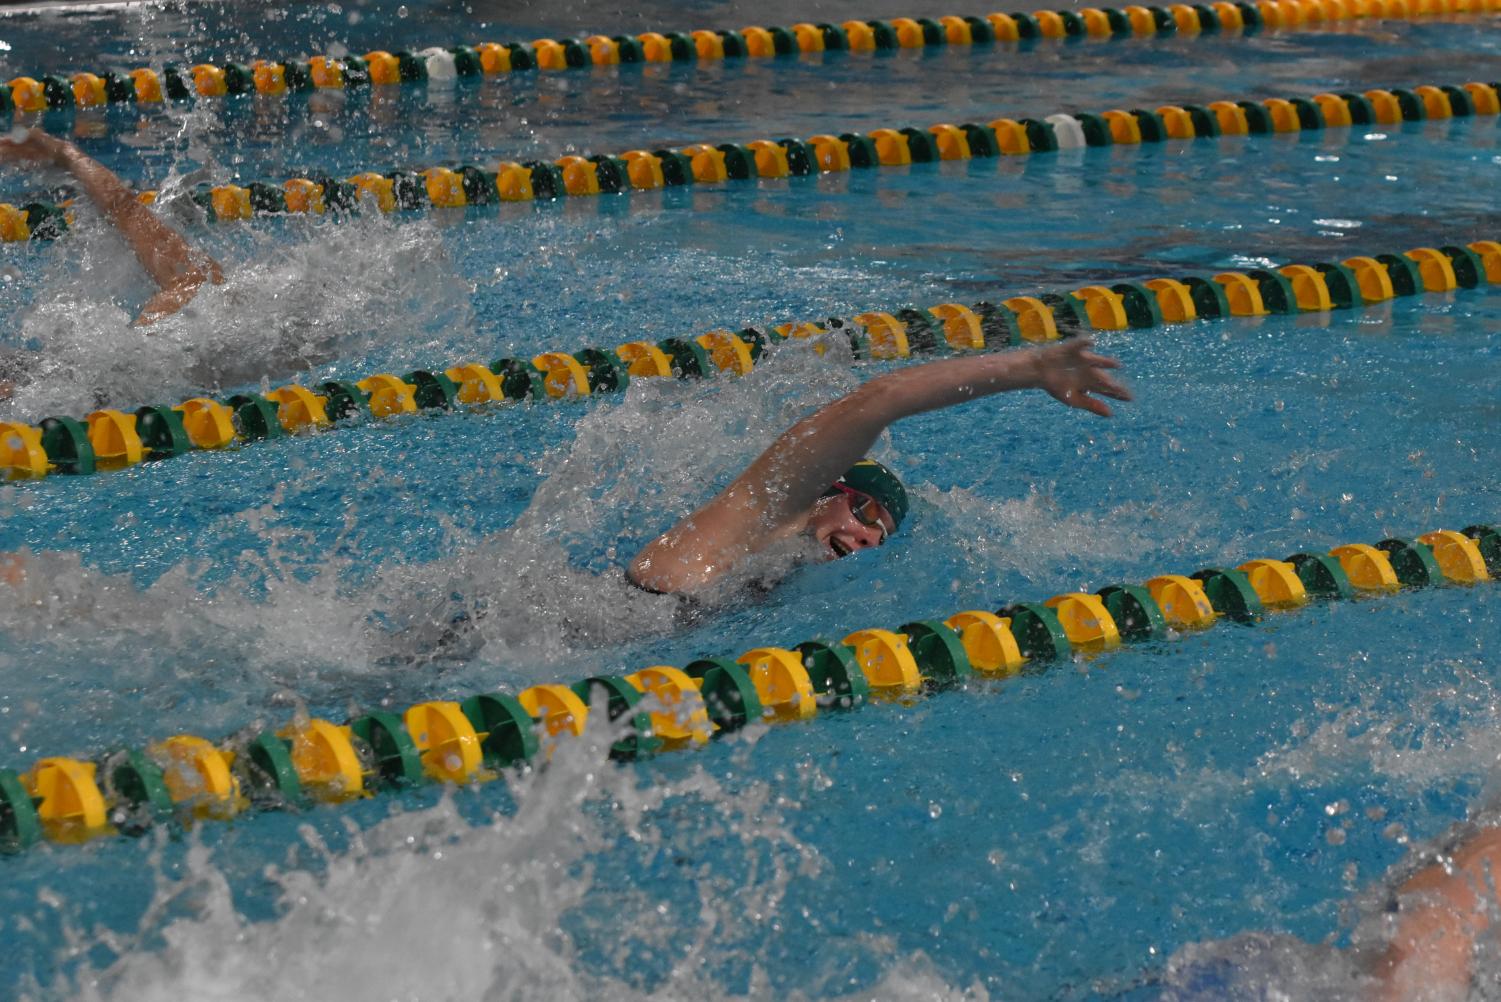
<point>866,509</point>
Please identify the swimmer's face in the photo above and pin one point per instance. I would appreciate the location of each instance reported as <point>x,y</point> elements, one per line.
<point>845,523</point>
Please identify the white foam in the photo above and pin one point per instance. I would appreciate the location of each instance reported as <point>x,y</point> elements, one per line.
<point>429,906</point>
<point>1035,535</point>
<point>441,70</point>
<point>296,301</point>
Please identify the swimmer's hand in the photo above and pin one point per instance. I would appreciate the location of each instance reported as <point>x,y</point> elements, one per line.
<point>13,569</point>
<point>1076,376</point>
<point>32,148</point>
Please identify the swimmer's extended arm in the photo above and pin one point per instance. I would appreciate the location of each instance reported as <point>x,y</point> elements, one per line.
<point>177,268</point>
<point>772,497</point>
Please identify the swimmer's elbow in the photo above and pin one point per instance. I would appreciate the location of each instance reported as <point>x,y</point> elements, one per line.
<point>878,402</point>
<point>650,574</point>
<point>639,568</point>
<point>656,570</point>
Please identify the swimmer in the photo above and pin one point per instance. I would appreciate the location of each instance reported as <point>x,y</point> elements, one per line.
<point>814,481</point>
<point>175,266</point>
<point>812,491</point>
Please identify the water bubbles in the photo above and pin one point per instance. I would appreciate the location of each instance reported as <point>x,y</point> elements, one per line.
<point>995,857</point>
<point>935,811</point>
<point>402,11</point>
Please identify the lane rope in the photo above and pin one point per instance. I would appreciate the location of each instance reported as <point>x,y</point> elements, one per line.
<point>108,439</point>
<point>384,68</point>
<point>662,708</point>
<point>454,187</point>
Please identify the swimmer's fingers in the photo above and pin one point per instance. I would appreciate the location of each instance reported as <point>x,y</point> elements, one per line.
<point>1076,393</point>
<point>1108,386</point>
<point>1082,400</point>
<point>1096,406</point>
<point>1097,376</point>
<point>1074,375</point>
<point>1076,351</point>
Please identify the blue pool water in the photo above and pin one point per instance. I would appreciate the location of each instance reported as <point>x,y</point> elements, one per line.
<point>1066,833</point>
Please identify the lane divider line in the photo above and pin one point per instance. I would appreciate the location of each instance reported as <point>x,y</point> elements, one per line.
<point>383,68</point>
<point>663,708</point>
<point>464,185</point>
<point>109,439</point>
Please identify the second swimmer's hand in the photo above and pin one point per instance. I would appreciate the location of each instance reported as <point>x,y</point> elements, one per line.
<point>31,148</point>
<point>1076,376</point>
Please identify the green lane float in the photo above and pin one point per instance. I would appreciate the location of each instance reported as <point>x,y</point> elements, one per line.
<point>113,439</point>
<point>185,778</point>
<point>380,68</point>
<point>455,187</point>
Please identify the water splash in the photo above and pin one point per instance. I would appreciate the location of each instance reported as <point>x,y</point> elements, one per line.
<point>1263,967</point>
<point>1419,750</point>
<point>332,291</point>
<point>293,618</point>
<point>523,905</point>
<point>1036,536</point>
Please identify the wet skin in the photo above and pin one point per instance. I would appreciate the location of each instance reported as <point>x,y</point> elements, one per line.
<point>832,523</point>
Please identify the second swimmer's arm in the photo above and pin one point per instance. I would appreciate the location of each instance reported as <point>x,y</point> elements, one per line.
<point>175,265</point>
<point>779,487</point>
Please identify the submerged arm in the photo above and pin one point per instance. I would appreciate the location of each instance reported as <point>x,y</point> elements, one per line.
<point>177,268</point>
<point>775,492</point>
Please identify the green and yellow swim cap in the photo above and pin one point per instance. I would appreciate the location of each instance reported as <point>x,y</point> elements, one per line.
<point>871,478</point>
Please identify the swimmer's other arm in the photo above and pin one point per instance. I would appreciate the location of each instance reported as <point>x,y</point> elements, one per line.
<point>772,498</point>
<point>1445,913</point>
<point>177,268</point>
